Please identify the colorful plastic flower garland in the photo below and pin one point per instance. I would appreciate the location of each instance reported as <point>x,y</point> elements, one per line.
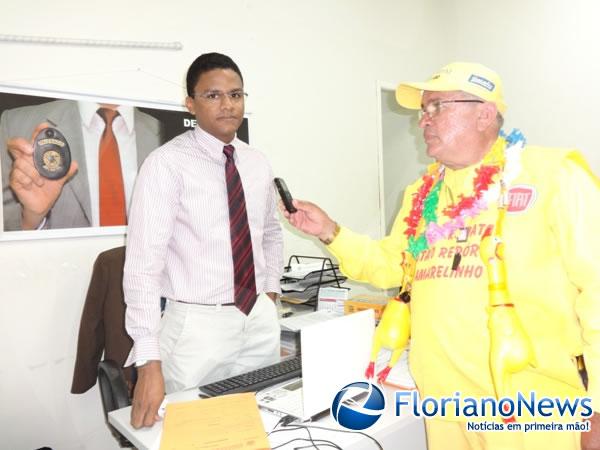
<point>426,199</point>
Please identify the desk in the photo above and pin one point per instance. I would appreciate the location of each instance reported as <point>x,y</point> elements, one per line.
<point>392,432</point>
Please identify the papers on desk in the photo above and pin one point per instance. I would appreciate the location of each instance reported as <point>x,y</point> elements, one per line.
<point>304,290</point>
<point>332,299</point>
<point>309,281</point>
<point>301,270</point>
<point>228,421</point>
<point>302,282</point>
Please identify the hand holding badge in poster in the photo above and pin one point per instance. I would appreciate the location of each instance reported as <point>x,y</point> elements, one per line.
<point>51,153</point>
<point>50,167</point>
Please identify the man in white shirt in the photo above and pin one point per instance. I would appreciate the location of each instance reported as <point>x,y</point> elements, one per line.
<point>31,201</point>
<point>183,245</point>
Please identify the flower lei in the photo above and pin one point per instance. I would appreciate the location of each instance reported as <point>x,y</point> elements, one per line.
<point>505,153</point>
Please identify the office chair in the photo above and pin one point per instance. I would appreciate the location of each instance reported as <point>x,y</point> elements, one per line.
<point>114,394</point>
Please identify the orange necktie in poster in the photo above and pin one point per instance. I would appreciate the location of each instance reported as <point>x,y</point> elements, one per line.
<point>110,178</point>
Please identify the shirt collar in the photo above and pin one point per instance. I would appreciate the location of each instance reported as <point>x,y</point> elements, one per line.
<point>213,145</point>
<point>87,111</point>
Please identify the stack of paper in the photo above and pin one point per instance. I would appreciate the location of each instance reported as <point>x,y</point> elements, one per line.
<point>228,421</point>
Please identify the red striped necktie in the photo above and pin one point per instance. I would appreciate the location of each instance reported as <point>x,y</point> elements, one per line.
<point>241,242</point>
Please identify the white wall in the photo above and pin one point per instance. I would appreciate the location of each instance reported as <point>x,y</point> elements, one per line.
<point>546,52</point>
<point>311,69</point>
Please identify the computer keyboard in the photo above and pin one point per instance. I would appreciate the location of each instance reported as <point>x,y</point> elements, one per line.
<point>256,379</point>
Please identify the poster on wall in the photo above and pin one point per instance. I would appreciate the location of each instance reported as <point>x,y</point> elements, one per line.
<point>79,165</point>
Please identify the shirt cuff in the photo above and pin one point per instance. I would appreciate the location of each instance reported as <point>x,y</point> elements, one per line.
<point>42,224</point>
<point>272,285</point>
<point>144,349</point>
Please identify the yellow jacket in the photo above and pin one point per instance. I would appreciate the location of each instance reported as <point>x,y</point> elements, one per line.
<point>552,237</point>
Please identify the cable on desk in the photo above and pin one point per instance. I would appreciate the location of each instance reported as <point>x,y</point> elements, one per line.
<point>341,431</point>
<point>310,438</point>
<point>313,442</point>
<point>284,422</point>
<point>295,427</point>
<point>321,442</point>
<point>287,428</point>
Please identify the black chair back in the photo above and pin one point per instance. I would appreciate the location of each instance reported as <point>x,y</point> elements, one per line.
<point>114,393</point>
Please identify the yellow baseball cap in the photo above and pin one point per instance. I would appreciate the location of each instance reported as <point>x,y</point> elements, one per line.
<point>473,78</point>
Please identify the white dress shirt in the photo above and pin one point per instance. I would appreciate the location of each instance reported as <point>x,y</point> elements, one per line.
<point>92,127</point>
<point>178,243</point>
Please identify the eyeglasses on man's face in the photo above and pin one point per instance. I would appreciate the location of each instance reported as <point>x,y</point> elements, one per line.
<point>432,109</point>
<point>236,96</point>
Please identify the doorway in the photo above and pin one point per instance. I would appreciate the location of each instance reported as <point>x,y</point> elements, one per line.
<point>402,154</point>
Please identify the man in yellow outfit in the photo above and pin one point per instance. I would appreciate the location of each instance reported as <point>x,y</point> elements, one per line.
<point>550,204</point>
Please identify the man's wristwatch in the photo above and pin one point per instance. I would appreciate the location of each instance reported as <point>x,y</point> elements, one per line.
<point>330,239</point>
